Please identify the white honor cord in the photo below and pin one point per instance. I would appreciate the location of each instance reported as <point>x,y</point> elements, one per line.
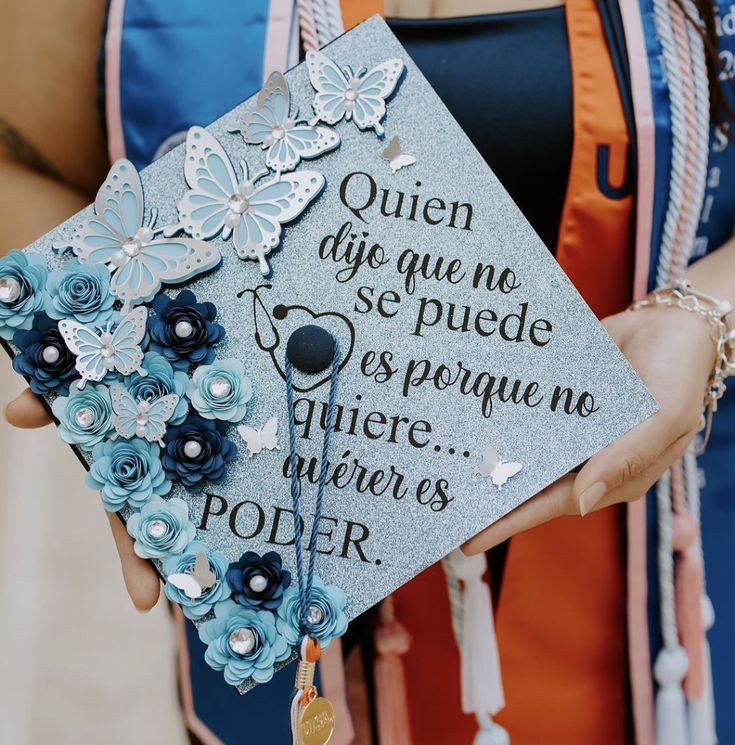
<point>320,22</point>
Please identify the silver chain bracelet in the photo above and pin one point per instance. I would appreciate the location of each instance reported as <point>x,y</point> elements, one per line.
<point>722,328</point>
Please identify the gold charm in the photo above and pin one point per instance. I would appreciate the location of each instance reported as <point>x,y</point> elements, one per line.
<point>316,722</point>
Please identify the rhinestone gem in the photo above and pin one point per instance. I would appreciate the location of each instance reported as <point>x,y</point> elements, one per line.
<point>51,354</point>
<point>278,133</point>
<point>183,329</point>
<point>258,582</point>
<point>314,615</point>
<point>9,289</point>
<point>238,203</point>
<point>132,247</point>
<point>351,94</point>
<point>220,387</point>
<point>156,529</point>
<point>192,449</point>
<point>242,641</point>
<point>84,417</point>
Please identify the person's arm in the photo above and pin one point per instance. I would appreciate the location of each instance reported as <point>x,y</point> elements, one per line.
<point>31,204</point>
<point>673,352</point>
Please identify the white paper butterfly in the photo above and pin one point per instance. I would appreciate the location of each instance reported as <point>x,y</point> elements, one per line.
<point>100,353</point>
<point>496,468</point>
<point>115,236</point>
<point>258,439</point>
<point>199,578</point>
<point>218,203</point>
<point>341,93</point>
<point>396,157</point>
<point>287,140</point>
<point>140,418</point>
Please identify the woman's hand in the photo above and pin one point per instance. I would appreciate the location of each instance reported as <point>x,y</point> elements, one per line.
<point>141,580</point>
<point>673,353</point>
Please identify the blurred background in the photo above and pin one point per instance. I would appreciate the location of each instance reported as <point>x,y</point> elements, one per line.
<point>77,658</point>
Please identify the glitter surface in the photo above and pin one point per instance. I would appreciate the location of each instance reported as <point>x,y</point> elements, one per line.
<point>409,495</point>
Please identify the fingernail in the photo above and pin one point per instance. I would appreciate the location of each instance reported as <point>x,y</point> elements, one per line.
<point>591,497</point>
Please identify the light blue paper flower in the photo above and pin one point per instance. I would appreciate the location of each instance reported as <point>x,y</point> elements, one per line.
<point>160,381</point>
<point>81,292</point>
<point>221,390</point>
<point>127,472</point>
<point>22,291</point>
<point>85,417</point>
<point>268,646</point>
<point>328,603</point>
<point>197,607</point>
<point>161,528</point>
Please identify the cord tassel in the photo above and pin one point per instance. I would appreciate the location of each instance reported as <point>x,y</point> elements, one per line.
<point>702,730</point>
<point>391,642</point>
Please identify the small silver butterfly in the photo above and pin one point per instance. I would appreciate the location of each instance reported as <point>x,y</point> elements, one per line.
<point>287,140</point>
<point>497,469</point>
<point>257,440</point>
<point>396,157</point>
<point>140,418</point>
<point>199,578</point>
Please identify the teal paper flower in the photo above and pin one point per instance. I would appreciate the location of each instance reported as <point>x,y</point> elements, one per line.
<point>183,564</point>
<point>22,291</point>
<point>243,642</point>
<point>80,292</point>
<point>85,417</point>
<point>127,472</point>
<point>221,390</point>
<point>161,528</point>
<point>327,617</point>
<point>160,381</point>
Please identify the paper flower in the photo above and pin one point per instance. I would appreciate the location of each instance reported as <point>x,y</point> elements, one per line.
<point>258,581</point>
<point>160,381</point>
<point>196,451</point>
<point>22,291</point>
<point>326,616</point>
<point>81,292</point>
<point>221,390</point>
<point>85,417</point>
<point>161,528</point>
<point>243,642</point>
<point>44,359</point>
<point>184,564</point>
<point>184,331</point>
<point>127,472</point>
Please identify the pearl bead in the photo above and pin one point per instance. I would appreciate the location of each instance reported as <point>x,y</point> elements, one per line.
<point>242,641</point>
<point>156,529</point>
<point>314,615</point>
<point>192,449</point>
<point>351,94</point>
<point>50,354</point>
<point>258,582</point>
<point>220,387</point>
<point>9,289</point>
<point>84,417</point>
<point>183,329</point>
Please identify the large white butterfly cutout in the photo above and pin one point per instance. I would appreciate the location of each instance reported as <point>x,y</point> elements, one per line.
<point>100,353</point>
<point>252,215</point>
<point>287,140</point>
<point>497,469</point>
<point>257,439</point>
<point>140,418</point>
<point>341,93</point>
<point>115,236</point>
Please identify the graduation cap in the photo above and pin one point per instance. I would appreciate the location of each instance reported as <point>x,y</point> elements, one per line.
<point>469,372</point>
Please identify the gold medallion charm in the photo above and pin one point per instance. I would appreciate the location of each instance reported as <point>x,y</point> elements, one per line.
<point>316,722</point>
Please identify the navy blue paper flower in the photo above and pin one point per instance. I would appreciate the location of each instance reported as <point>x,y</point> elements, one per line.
<point>44,359</point>
<point>183,330</point>
<point>196,451</point>
<point>258,581</point>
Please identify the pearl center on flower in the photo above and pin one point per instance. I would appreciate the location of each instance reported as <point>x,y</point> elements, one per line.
<point>9,289</point>
<point>84,418</point>
<point>314,615</point>
<point>50,354</point>
<point>258,582</point>
<point>242,641</point>
<point>183,329</point>
<point>192,449</point>
<point>156,529</point>
<point>220,387</point>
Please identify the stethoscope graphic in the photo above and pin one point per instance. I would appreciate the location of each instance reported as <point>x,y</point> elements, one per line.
<point>268,338</point>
